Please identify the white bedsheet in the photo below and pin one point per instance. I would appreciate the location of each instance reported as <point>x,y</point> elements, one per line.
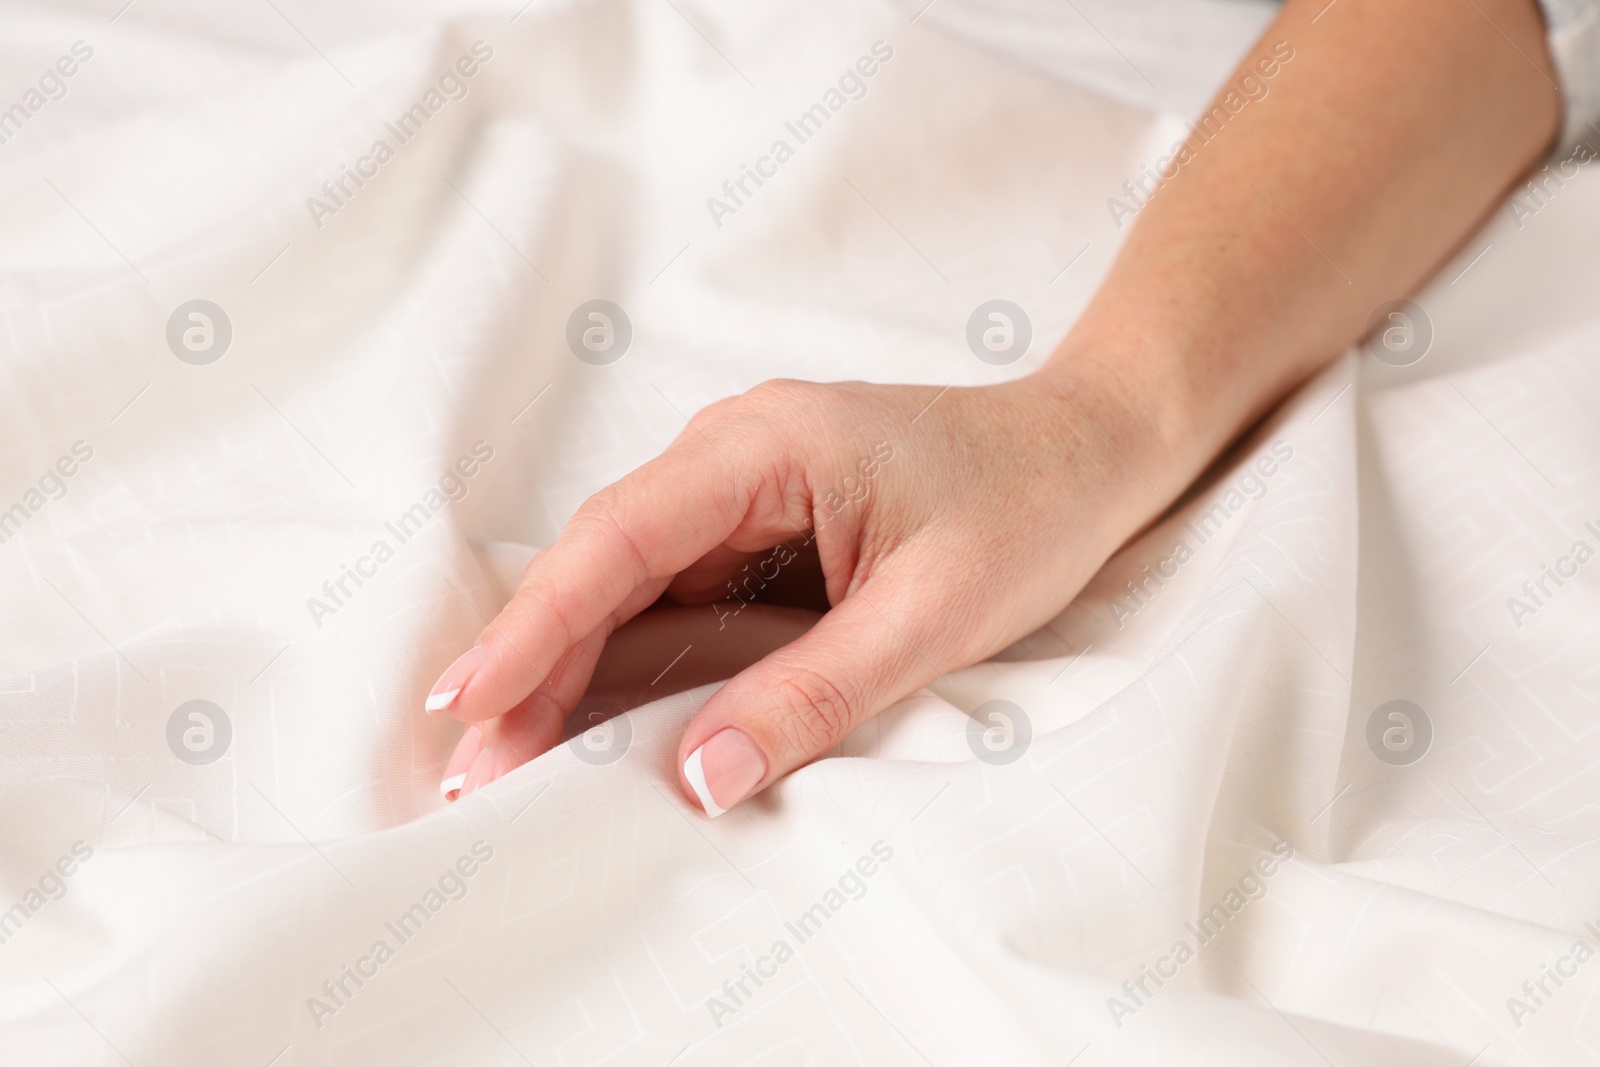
<point>579,912</point>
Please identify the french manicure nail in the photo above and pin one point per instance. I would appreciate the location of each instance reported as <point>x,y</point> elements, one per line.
<point>724,770</point>
<point>455,771</point>
<point>453,680</point>
<point>481,774</point>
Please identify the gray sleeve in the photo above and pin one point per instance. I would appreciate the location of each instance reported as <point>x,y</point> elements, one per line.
<point>1574,28</point>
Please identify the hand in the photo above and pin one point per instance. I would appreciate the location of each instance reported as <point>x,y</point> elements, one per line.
<point>1395,129</point>
<point>947,525</point>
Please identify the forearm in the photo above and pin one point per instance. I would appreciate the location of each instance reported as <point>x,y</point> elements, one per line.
<point>1396,125</point>
<point>1390,133</point>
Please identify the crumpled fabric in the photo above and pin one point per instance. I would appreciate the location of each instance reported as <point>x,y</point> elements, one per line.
<point>1180,824</point>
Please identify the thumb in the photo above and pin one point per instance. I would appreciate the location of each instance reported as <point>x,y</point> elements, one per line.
<point>800,701</point>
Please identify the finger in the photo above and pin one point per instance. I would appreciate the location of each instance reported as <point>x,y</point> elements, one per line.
<point>706,578</point>
<point>805,698</point>
<point>613,558</point>
<point>443,699</point>
<point>498,746</point>
<point>534,726</point>
<point>460,762</point>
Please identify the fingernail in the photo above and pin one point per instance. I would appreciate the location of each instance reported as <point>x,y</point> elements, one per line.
<point>453,680</point>
<point>724,770</point>
<point>455,771</point>
<point>481,774</point>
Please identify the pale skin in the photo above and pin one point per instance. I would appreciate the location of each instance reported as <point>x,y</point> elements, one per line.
<point>1398,125</point>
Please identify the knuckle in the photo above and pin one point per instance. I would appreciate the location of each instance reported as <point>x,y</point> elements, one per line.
<point>605,516</point>
<point>603,505</point>
<point>713,413</point>
<point>595,517</point>
<point>535,600</point>
<point>781,392</point>
<point>814,712</point>
<point>769,405</point>
<point>791,415</point>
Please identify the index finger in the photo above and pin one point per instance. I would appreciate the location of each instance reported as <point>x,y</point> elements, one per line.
<point>613,558</point>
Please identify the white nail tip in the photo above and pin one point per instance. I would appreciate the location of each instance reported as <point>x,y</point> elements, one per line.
<point>697,781</point>
<point>452,786</point>
<point>440,701</point>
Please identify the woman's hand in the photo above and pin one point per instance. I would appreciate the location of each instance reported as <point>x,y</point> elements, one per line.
<point>1390,129</point>
<point>948,523</point>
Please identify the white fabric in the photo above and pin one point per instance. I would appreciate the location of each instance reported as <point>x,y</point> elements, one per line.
<point>598,914</point>
<point>1161,55</point>
<point>1574,30</point>
<point>1171,55</point>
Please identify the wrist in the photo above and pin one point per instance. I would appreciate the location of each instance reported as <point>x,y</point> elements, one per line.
<point>1176,379</point>
<point>1133,393</point>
